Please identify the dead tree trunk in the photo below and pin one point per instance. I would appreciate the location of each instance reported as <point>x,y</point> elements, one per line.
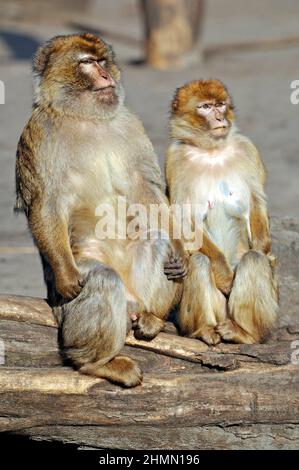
<point>171,31</point>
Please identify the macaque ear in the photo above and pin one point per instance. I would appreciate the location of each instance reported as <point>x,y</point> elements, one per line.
<point>175,105</point>
<point>41,59</point>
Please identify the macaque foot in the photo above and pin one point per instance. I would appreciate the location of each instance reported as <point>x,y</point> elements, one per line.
<point>208,335</point>
<point>230,331</point>
<point>147,326</point>
<point>121,370</point>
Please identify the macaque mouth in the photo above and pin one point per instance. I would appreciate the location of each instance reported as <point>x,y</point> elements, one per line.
<point>104,89</point>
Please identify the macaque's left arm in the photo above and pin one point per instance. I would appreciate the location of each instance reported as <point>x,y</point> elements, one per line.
<point>259,220</point>
<point>259,225</point>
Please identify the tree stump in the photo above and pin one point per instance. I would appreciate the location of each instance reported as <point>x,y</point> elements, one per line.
<point>193,396</point>
<point>171,32</point>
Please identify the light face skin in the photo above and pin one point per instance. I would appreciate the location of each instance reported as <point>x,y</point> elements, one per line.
<point>101,81</point>
<point>215,115</point>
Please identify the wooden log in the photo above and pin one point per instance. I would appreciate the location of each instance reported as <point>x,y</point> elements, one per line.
<point>184,402</point>
<point>36,313</point>
<point>171,31</point>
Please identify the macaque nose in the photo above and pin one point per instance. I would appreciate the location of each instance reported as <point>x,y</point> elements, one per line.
<point>105,77</point>
<point>104,74</point>
<point>218,115</point>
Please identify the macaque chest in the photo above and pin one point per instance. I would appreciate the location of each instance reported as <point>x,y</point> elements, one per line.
<point>225,206</point>
<point>96,178</point>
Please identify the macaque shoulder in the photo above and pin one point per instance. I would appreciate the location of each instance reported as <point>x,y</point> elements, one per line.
<point>253,157</point>
<point>28,177</point>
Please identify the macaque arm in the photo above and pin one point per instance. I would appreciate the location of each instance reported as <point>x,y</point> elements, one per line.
<point>259,221</point>
<point>49,229</point>
<point>50,232</point>
<point>259,225</point>
<point>222,272</point>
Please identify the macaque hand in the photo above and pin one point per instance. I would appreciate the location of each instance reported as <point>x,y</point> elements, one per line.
<point>69,282</point>
<point>176,265</point>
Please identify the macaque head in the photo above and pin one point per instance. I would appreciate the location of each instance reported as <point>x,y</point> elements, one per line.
<point>205,106</point>
<point>77,73</point>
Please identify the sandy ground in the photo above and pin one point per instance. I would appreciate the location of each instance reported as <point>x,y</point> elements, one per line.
<point>259,79</point>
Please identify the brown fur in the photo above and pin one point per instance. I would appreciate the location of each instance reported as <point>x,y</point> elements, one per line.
<point>203,165</point>
<point>80,148</point>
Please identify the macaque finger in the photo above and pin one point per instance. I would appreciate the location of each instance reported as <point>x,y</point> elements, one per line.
<point>175,274</point>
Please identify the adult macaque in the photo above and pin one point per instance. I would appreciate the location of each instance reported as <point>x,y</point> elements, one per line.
<point>211,164</point>
<point>80,148</point>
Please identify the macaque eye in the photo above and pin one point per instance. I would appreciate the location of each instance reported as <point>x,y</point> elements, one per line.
<point>204,106</point>
<point>220,105</point>
<point>86,61</point>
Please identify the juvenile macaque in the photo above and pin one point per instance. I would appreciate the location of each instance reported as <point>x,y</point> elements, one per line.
<point>81,148</point>
<point>230,291</point>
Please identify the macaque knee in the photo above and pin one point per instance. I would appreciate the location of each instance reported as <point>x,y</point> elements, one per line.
<point>253,303</point>
<point>255,259</point>
<point>94,325</point>
<point>147,280</point>
<point>200,263</point>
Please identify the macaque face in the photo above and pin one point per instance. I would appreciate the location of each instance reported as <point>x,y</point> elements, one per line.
<point>79,70</point>
<point>205,106</point>
<point>94,69</point>
<point>214,112</point>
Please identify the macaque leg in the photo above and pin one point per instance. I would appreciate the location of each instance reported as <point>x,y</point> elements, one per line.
<point>253,302</point>
<point>155,294</point>
<point>94,326</point>
<point>202,306</point>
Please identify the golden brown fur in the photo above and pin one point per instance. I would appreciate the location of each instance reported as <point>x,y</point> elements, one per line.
<point>210,163</point>
<point>81,148</point>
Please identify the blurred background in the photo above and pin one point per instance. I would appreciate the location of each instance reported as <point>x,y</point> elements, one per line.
<point>253,46</point>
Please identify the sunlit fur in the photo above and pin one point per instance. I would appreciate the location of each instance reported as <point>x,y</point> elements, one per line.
<point>225,177</point>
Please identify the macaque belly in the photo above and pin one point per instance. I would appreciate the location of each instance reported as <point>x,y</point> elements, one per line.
<point>226,217</point>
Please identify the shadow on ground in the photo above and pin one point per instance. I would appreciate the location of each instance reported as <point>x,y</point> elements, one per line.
<point>22,46</point>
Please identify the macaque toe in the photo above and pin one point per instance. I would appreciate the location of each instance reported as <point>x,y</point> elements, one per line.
<point>130,373</point>
<point>121,370</point>
<point>231,332</point>
<point>147,326</point>
<point>226,330</point>
<point>208,335</point>
<point>134,317</point>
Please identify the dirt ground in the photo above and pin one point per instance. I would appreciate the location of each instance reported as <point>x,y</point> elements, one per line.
<point>258,75</point>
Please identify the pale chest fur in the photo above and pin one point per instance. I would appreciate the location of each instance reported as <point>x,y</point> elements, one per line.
<point>222,193</point>
<point>94,167</point>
